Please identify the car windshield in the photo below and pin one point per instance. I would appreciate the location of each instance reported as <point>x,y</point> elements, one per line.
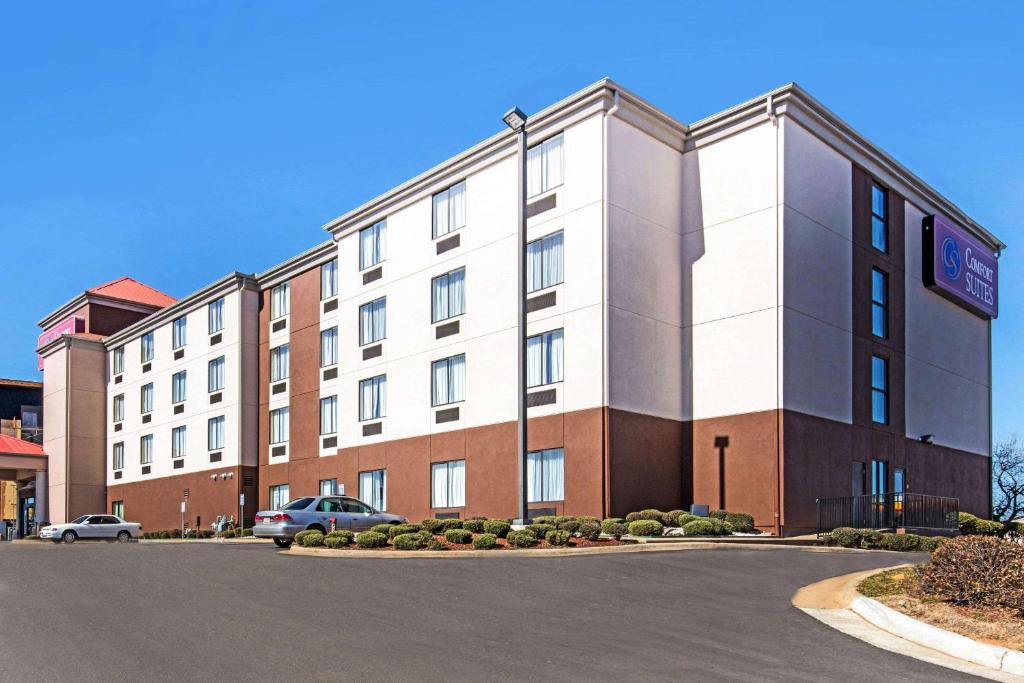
<point>298,504</point>
<point>80,520</point>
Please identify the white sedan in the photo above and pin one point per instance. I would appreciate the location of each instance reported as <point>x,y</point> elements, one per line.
<point>92,527</point>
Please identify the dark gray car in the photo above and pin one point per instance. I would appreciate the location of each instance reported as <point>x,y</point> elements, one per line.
<point>318,512</point>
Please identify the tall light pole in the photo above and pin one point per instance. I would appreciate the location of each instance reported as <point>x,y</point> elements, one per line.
<point>516,120</point>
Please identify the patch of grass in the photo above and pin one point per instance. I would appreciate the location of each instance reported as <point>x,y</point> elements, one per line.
<point>890,582</point>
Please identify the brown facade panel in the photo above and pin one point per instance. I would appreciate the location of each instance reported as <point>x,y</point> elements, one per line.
<point>649,462</point>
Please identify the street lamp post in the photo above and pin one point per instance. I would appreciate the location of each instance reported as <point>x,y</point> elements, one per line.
<point>516,120</point>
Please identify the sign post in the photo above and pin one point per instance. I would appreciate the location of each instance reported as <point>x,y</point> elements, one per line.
<point>241,513</point>
<point>183,519</point>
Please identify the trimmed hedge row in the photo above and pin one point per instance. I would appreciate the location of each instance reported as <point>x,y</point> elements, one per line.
<point>971,525</point>
<point>872,539</point>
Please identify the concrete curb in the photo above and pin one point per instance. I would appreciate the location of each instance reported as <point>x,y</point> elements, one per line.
<point>953,644</point>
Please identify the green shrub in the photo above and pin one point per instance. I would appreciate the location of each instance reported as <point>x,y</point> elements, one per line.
<point>245,532</point>
<point>425,535</point>
<point>435,544</point>
<point>313,539</point>
<point>969,524</point>
<point>572,526</point>
<point>460,536</point>
<point>229,533</point>
<point>870,538</point>
<point>722,527</point>
<point>545,519</point>
<point>976,571</point>
<point>931,543</point>
<point>607,523</point>
<point>301,535</point>
<point>341,533</point>
<point>434,526</point>
<point>498,527</point>
<point>590,531</point>
<point>408,541</point>
<point>522,539</point>
<point>740,521</point>
<point>476,526</point>
<point>646,527</point>
<point>485,542</point>
<point>900,542</point>
<point>696,527</point>
<point>371,539</point>
<point>335,542</point>
<point>557,537</point>
<point>396,530</point>
<point>671,518</point>
<point>616,531</point>
<point>583,519</point>
<point>539,530</point>
<point>685,518</point>
<point>447,524</point>
<point>632,517</point>
<point>381,529</point>
<point>846,537</point>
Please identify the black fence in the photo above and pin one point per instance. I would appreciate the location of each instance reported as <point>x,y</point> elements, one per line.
<point>888,511</point>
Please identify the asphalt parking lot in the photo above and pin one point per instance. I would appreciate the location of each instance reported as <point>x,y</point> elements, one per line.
<point>222,612</point>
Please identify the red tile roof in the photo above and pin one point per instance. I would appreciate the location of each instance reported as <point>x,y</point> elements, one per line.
<point>127,289</point>
<point>10,445</point>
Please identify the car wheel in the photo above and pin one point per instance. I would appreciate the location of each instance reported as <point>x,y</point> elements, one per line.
<point>123,537</point>
<point>69,537</point>
<point>283,542</point>
<point>316,527</point>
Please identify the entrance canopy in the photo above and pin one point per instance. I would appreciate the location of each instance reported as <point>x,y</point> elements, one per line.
<point>20,459</point>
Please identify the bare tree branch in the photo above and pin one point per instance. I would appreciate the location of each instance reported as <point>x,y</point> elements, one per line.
<point>1008,479</point>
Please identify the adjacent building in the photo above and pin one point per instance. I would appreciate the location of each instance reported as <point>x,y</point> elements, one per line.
<point>750,311</point>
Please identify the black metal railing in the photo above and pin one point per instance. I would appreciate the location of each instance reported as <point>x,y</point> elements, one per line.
<point>888,511</point>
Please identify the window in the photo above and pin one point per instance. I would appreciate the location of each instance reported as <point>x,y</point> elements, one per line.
<point>148,347</point>
<point>898,480</point>
<point>879,390</point>
<point>146,396</point>
<point>279,301</point>
<point>372,488</point>
<point>215,433</point>
<point>544,166</point>
<point>329,415</point>
<point>178,442</point>
<point>118,456</point>
<point>448,295</point>
<point>146,449</point>
<point>215,316</point>
<point>879,303</point>
<point>544,262</point>
<point>544,358</point>
<point>373,321</point>
<point>119,408</point>
<point>372,245</point>
<point>278,496</point>
<point>329,279</point>
<point>178,386</point>
<point>118,360</point>
<point>215,374</point>
<point>544,475</point>
<point>329,347</point>
<point>879,218</point>
<point>279,363</point>
<point>328,487</point>
<point>448,484</point>
<point>879,477</point>
<point>279,425</point>
<point>448,380</point>
<point>450,209</point>
<point>117,508</point>
<point>373,394</point>
<point>179,333</point>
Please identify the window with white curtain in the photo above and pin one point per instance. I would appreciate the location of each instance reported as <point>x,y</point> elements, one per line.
<point>545,475</point>
<point>146,450</point>
<point>148,347</point>
<point>448,484</point>
<point>118,360</point>
<point>372,245</point>
<point>450,209</point>
<point>329,347</point>
<point>146,398</point>
<point>448,295</point>
<point>329,279</point>
<point>178,386</point>
<point>279,297</point>
<point>328,487</point>
<point>278,496</point>
<point>544,358</point>
<point>179,333</point>
<point>215,433</point>
<point>373,488</point>
<point>328,415</point>
<point>373,395</point>
<point>119,408</point>
<point>215,316</point>
<point>279,363</point>
<point>544,166</point>
<point>373,321</point>
<point>215,374</point>
<point>448,380</point>
<point>178,441</point>
<point>119,455</point>
<point>544,262</point>
<point>279,425</point>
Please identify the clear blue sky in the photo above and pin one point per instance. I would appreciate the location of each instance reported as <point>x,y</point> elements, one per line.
<point>175,142</point>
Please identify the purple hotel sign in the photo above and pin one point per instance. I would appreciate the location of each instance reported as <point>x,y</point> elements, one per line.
<point>960,268</point>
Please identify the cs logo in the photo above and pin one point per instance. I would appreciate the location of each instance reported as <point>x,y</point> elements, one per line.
<point>951,258</point>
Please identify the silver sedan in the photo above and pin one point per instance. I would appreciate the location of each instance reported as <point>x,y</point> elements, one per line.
<point>317,512</point>
<point>108,527</point>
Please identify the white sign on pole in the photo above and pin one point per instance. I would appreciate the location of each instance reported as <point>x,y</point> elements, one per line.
<point>182,507</point>
<point>241,499</point>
